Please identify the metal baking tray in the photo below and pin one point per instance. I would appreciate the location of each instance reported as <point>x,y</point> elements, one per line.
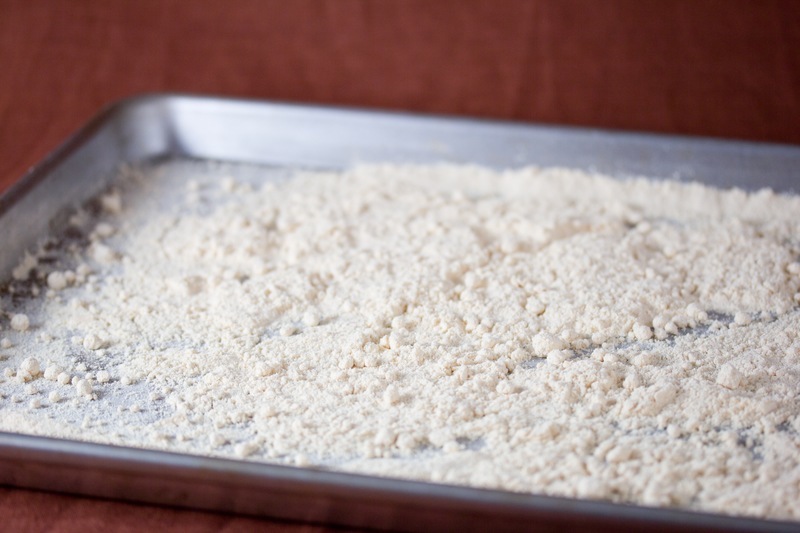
<point>153,128</point>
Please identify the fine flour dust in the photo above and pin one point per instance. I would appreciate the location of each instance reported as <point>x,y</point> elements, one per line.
<point>534,330</point>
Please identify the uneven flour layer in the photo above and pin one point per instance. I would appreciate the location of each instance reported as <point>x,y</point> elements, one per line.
<point>543,331</point>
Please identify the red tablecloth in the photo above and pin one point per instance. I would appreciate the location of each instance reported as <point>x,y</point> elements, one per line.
<point>726,68</point>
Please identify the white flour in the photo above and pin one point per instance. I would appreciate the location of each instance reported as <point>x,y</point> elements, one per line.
<point>542,331</point>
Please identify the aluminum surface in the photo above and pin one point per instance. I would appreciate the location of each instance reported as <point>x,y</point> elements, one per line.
<point>153,128</point>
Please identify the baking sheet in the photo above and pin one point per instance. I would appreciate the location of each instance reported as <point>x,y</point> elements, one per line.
<point>155,128</point>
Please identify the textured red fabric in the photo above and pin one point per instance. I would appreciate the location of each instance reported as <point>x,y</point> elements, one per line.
<point>726,68</point>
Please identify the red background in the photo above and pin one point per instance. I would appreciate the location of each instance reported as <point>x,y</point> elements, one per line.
<point>725,68</point>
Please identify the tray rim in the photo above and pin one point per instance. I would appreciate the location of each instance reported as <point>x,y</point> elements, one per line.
<point>106,459</point>
<point>132,104</point>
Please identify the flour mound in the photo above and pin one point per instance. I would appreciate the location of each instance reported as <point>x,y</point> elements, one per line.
<point>533,330</point>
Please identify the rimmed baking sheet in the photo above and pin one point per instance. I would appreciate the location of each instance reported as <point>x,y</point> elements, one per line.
<point>152,129</point>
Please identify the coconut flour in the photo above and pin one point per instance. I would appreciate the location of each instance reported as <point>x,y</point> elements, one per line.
<point>533,330</point>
